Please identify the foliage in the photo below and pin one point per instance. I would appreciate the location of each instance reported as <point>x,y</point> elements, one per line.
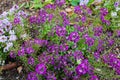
<point>53,45</point>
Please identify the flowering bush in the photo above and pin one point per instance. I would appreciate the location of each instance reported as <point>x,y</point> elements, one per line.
<point>53,44</point>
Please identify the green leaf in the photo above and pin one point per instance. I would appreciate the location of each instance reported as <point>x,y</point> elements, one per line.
<point>90,2</point>
<point>38,5</point>
<point>74,3</point>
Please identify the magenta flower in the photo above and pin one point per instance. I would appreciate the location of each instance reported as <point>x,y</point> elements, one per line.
<point>96,55</point>
<point>110,42</point>
<point>60,2</point>
<point>17,20</point>
<point>32,76</point>
<point>74,36</point>
<point>77,10</point>
<point>50,17</point>
<point>83,19</point>
<point>41,69</point>
<point>60,31</point>
<point>104,11</point>
<point>31,60</point>
<point>89,41</point>
<point>21,52</point>
<point>12,54</point>
<point>64,47</point>
<point>33,19</point>
<point>83,68</point>
<point>98,31</point>
<point>29,50</point>
<point>50,6</point>
<point>78,55</point>
<point>94,77</point>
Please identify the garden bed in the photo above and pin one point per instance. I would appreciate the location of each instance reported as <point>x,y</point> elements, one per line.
<point>60,40</point>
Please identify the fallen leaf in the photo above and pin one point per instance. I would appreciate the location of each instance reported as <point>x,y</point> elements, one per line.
<point>19,69</point>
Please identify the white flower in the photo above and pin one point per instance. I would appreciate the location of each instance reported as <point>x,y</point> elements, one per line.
<point>4,14</point>
<point>9,27</point>
<point>117,8</point>
<point>98,69</point>
<point>6,21</point>
<point>12,38</point>
<point>84,2</point>
<point>1,32</point>
<point>24,36</point>
<point>5,49</point>
<point>113,14</point>
<point>11,32</point>
<point>13,9</point>
<point>9,44</point>
<point>3,38</point>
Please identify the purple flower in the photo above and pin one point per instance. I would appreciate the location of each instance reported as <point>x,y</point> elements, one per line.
<point>41,68</point>
<point>12,54</point>
<point>102,17</point>
<point>116,4</point>
<point>94,77</point>
<point>50,6</point>
<point>100,45</point>
<point>29,50</point>
<point>33,19</point>
<point>17,20</point>
<point>21,52</point>
<point>104,11</point>
<point>64,47</point>
<point>42,18</point>
<point>77,10</point>
<point>98,31</point>
<point>41,42</point>
<point>53,48</point>
<point>74,36</point>
<point>79,28</point>
<point>118,33</point>
<point>60,2</point>
<point>50,17</point>
<point>112,60</point>
<point>89,41</point>
<point>82,68</point>
<point>63,14</point>
<point>85,35</point>
<point>78,55</point>
<point>89,11</point>
<point>107,22</point>
<point>110,42</point>
<point>83,19</point>
<point>31,60</point>
<point>51,76</point>
<point>32,76</point>
<point>61,31</point>
<point>66,21</point>
<point>96,55</point>
<point>109,33</point>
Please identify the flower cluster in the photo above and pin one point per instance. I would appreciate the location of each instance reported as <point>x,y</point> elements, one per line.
<point>103,13</point>
<point>112,60</point>
<point>57,45</point>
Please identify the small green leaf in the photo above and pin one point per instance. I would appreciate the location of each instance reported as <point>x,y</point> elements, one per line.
<point>74,3</point>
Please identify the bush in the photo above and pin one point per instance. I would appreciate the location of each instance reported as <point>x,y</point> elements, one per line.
<point>53,44</point>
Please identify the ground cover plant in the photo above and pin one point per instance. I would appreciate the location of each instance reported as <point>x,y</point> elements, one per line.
<point>64,43</point>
